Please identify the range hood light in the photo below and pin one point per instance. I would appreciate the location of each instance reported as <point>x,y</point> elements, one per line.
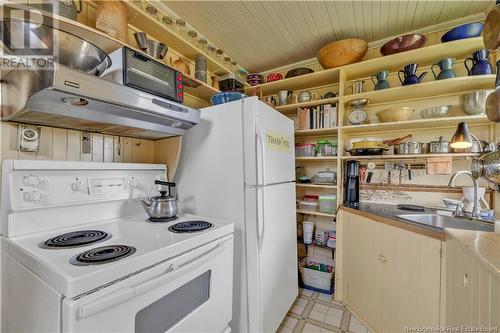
<point>76,101</point>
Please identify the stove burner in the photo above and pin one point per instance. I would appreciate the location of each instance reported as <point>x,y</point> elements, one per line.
<point>165,219</point>
<point>414,208</point>
<point>102,255</point>
<point>75,239</point>
<point>190,226</point>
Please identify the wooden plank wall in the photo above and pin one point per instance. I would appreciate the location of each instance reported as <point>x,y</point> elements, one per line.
<point>65,145</point>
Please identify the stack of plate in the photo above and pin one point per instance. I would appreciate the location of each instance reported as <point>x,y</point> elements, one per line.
<point>255,79</point>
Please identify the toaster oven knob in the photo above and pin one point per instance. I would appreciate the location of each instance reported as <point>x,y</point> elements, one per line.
<point>176,124</point>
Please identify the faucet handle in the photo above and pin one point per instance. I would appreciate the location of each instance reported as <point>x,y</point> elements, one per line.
<point>459,211</point>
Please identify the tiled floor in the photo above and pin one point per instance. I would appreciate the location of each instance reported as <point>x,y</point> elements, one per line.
<point>313,312</point>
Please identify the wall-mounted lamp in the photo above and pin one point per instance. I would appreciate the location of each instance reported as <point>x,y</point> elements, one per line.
<point>462,137</point>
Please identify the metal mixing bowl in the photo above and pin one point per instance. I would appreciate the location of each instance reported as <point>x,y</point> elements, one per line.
<point>435,112</point>
<point>69,50</point>
<point>474,103</point>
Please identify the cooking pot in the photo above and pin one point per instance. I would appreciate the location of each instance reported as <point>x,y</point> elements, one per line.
<point>408,148</point>
<point>162,207</point>
<point>439,147</point>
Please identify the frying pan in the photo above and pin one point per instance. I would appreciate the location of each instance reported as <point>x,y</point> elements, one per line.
<point>491,32</point>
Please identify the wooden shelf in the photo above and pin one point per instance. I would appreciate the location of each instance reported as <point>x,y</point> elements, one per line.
<point>412,124</point>
<point>409,157</point>
<point>424,56</point>
<point>314,244</point>
<point>317,159</point>
<point>315,213</point>
<point>292,108</point>
<point>427,89</point>
<point>202,91</point>
<point>316,186</point>
<point>168,34</point>
<point>317,132</point>
<point>315,79</point>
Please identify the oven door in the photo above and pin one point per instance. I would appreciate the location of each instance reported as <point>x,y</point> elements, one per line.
<point>189,293</point>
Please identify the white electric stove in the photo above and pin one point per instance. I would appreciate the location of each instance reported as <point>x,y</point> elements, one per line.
<point>80,255</point>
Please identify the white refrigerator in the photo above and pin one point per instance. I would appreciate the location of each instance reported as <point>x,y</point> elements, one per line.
<point>238,164</point>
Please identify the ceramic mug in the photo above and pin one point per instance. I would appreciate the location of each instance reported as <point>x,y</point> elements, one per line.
<point>284,96</point>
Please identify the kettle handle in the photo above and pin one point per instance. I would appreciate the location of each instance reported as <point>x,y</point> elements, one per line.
<point>371,78</point>
<point>467,67</point>
<point>160,182</point>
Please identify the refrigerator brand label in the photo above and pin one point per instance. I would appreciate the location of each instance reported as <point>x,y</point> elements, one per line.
<point>277,142</point>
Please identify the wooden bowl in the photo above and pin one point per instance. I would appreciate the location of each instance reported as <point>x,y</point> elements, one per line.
<point>403,43</point>
<point>395,114</point>
<point>342,52</point>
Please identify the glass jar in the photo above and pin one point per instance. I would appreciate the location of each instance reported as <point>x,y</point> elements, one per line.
<point>202,43</point>
<point>220,54</point>
<point>180,25</point>
<point>167,20</point>
<point>211,50</point>
<point>193,36</point>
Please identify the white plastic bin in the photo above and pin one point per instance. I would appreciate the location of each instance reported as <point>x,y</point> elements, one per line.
<point>314,278</point>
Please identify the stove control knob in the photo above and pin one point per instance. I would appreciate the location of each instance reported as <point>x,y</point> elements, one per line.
<point>33,181</point>
<point>33,196</point>
<point>133,182</point>
<point>77,186</point>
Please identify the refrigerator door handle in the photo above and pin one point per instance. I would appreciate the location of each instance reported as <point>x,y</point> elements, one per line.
<point>261,140</point>
<point>260,217</point>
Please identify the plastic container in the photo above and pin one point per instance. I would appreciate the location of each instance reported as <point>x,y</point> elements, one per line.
<point>327,203</point>
<point>332,240</point>
<point>305,149</point>
<point>308,205</point>
<point>315,278</point>
<point>326,177</point>
<point>326,148</point>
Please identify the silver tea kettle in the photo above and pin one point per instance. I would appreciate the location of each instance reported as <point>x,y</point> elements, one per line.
<point>162,207</point>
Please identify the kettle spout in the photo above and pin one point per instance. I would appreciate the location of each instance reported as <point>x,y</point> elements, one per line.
<point>421,77</point>
<point>146,205</point>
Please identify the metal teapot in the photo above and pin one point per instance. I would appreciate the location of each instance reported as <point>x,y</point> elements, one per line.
<point>162,207</point>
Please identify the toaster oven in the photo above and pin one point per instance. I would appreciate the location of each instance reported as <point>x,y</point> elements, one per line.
<point>137,70</point>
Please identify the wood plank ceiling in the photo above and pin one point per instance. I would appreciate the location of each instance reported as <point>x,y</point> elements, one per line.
<point>262,35</point>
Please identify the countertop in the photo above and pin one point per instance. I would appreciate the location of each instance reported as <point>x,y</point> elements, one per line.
<point>485,246</point>
<point>389,214</point>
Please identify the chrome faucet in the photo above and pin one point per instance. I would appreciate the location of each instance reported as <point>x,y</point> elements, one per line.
<point>475,210</point>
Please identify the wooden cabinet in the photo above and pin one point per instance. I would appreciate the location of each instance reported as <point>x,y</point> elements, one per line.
<point>472,292</point>
<point>390,276</point>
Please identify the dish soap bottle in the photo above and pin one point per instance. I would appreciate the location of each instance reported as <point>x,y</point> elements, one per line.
<point>493,100</point>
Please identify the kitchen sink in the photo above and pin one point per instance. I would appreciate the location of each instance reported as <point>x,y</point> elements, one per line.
<point>440,221</point>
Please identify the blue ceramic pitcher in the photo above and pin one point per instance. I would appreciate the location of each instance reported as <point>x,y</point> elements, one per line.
<point>410,76</point>
<point>381,78</point>
<point>480,63</point>
<point>446,69</point>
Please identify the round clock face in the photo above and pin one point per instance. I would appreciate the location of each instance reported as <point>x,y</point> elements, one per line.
<point>357,116</point>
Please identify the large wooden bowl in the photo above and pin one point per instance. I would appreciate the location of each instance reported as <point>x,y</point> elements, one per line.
<point>342,52</point>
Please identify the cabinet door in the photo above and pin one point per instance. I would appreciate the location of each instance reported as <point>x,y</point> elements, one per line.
<point>459,271</point>
<point>363,273</point>
<point>411,280</point>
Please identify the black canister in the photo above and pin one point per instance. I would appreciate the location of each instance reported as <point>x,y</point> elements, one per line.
<point>351,184</point>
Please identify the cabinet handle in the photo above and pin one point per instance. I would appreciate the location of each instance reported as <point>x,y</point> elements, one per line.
<point>381,258</point>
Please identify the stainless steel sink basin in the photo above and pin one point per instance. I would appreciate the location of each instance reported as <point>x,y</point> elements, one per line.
<point>440,221</point>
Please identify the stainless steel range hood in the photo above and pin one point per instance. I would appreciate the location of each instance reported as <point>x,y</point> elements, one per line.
<point>72,99</point>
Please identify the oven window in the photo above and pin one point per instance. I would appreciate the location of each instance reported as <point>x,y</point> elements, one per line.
<point>166,312</point>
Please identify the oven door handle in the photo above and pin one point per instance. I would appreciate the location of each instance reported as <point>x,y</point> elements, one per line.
<point>124,294</point>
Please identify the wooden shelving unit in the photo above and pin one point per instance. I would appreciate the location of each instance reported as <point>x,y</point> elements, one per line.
<point>315,79</point>
<point>412,124</point>
<point>315,213</point>
<point>317,132</point>
<point>425,90</point>
<point>317,159</point>
<point>317,186</point>
<point>292,108</point>
<point>409,157</point>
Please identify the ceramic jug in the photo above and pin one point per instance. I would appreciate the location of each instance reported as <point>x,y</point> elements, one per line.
<point>410,75</point>
<point>480,63</point>
<point>381,78</point>
<point>181,65</point>
<point>305,96</point>
<point>446,69</point>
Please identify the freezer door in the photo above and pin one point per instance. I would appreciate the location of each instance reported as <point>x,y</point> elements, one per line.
<point>269,144</point>
<point>272,255</point>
